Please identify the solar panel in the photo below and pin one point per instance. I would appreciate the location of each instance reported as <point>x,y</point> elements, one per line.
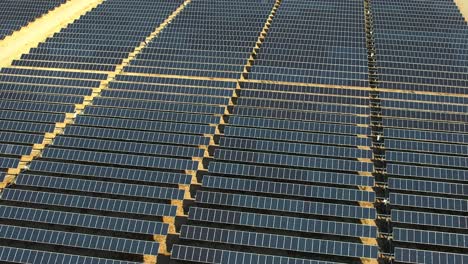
<point>24,138</point>
<point>246,86</point>
<point>51,81</point>
<point>78,240</point>
<point>428,172</point>
<point>424,115</point>
<point>135,135</point>
<point>279,242</point>
<point>6,163</point>
<point>303,98</point>
<point>431,159</point>
<point>32,116</point>
<point>21,255</point>
<point>290,174</point>
<point>428,186</point>
<point>83,220</point>
<point>430,237</point>
<point>295,136</point>
<point>425,125</point>
<point>159,105</point>
<point>62,74</point>
<point>450,149</point>
<point>110,172</point>
<point>144,125</point>
<point>92,177</point>
<point>40,97</point>
<point>129,147</point>
<point>411,200</point>
<point>123,159</point>
<point>429,219</point>
<point>285,205</point>
<point>424,256</point>
<point>15,150</point>
<point>277,222</point>
<point>87,202</point>
<point>298,125</point>
<point>152,115</point>
<point>19,87</point>
<point>424,105</point>
<point>295,161</point>
<point>427,97</point>
<point>289,189</point>
<point>297,105</point>
<point>89,186</point>
<point>300,115</point>
<point>166,97</point>
<point>210,255</point>
<point>293,148</point>
<point>37,107</point>
<point>170,89</point>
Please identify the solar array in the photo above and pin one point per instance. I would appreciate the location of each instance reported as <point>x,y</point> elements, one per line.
<point>273,176</point>
<point>333,51</point>
<point>202,42</point>
<point>106,183</point>
<point>204,131</point>
<point>15,15</point>
<point>95,44</point>
<point>425,52</point>
<point>286,176</point>
<point>425,134</point>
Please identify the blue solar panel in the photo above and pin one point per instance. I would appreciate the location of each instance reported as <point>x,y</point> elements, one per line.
<point>281,222</point>
<point>285,205</point>
<point>123,159</point>
<point>290,174</point>
<point>89,186</point>
<point>278,242</point>
<point>419,256</point>
<point>289,189</point>
<point>210,255</point>
<point>21,255</point>
<point>294,161</point>
<point>78,240</point>
<point>110,172</point>
<point>419,201</point>
<point>87,202</point>
<point>429,219</point>
<point>83,220</point>
<point>430,237</point>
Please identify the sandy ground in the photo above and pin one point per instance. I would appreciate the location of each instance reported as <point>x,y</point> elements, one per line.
<point>463,6</point>
<point>31,35</point>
